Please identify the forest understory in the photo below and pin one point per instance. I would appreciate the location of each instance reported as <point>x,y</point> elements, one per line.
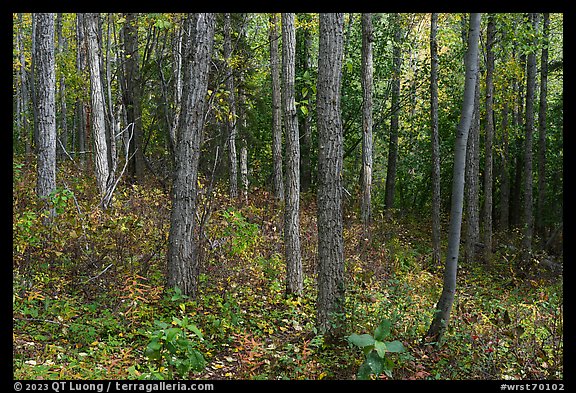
<point>89,297</point>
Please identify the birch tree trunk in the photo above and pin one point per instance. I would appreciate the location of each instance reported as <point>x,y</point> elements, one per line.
<point>183,266</point>
<point>62,145</point>
<point>367,120</point>
<point>98,124</point>
<point>46,106</point>
<point>232,132</point>
<point>435,140</point>
<point>444,306</point>
<point>276,109</point>
<point>487,234</point>
<point>81,110</point>
<point>330,303</point>
<point>294,281</point>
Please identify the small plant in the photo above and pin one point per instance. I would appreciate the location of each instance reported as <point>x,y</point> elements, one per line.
<point>376,351</point>
<point>172,351</point>
<point>242,233</point>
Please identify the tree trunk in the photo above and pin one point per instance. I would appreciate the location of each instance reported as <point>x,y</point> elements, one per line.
<point>62,145</point>
<point>540,224</point>
<point>132,96</point>
<point>505,180</point>
<point>528,219</point>
<point>81,106</point>
<point>23,113</point>
<point>395,115</point>
<point>294,281</point>
<point>491,34</point>
<point>444,306</point>
<point>435,141</point>
<point>472,180</point>
<point>276,110</point>
<point>367,120</point>
<point>183,266</point>
<point>232,132</point>
<point>330,303</point>
<point>306,146</point>
<point>46,106</point>
<point>394,122</point>
<point>98,124</point>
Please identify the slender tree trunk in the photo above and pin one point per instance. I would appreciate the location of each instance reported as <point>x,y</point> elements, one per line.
<point>367,120</point>
<point>394,122</point>
<point>528,219</point>
<point>46,104</point>
<point>23,114</point>
<point>276,109</point>
<point>540,225</point>
<point>330,303</point>
<point>505,181</point>
<point>435,141</point>
<point>81,106</point>
<point>491,34</point>
<point>306,146</point>
<point>113,129</point>
<point>98,124</point>
<point>183,266</point>
<point>294,280</point>
<point>132,95</point>
<point>34,88</point>
<point>62,145</point>
<point>444,306</point>
<point>516,190</point>
<point>232,131</point>
<point>472,180</point>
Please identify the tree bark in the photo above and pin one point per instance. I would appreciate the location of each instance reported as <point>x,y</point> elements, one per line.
<point>472,180</point>
<point>276,109</point>
<point>435,140</point>
<point>540,224</point>
<point>367,120</point>
<point>133,95</point>
<point>491,34</point>
<point>330,303</point>
<point>444,306</point>
<point>183,266</point>
<point>98,124</point>
<point>63,138</point>
<point>232,131</point>
<point>46,105</point>
<point>528,219</point>
<point>294,280</point>
<point>505,171</point>
<point>394,122</point>
<point>81,106</point>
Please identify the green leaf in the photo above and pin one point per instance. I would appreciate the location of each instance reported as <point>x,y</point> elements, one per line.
<point>197,361</point>
<point>152,351</point>
<point>380,348</point>
<point>196,331</point>
<point>395,346</point>
<point>171,333</point>
<point>383,330</point>
<point>304,110</point>
<point>362,340</point>
<point>375,362</point>
<point>364,371</point>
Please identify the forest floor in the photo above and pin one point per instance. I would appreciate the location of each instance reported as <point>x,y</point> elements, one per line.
<point>89,300</point>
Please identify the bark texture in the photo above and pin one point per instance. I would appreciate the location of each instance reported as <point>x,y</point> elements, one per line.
<point>367,120</point>
<point>294,281</point>
<point>330,303</point>
<point>183,266</point>
<point>276,109</point>
<point>46,105</point>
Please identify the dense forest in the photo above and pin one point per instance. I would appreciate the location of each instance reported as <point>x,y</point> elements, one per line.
<point>287,196</point>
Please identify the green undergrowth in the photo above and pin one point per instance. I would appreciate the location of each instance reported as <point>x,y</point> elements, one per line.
<point>89,300</point>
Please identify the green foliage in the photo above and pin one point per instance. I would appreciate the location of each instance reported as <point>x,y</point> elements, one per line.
<point>172,351</point>
<point>242,234</point>
<point>376,351</point>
